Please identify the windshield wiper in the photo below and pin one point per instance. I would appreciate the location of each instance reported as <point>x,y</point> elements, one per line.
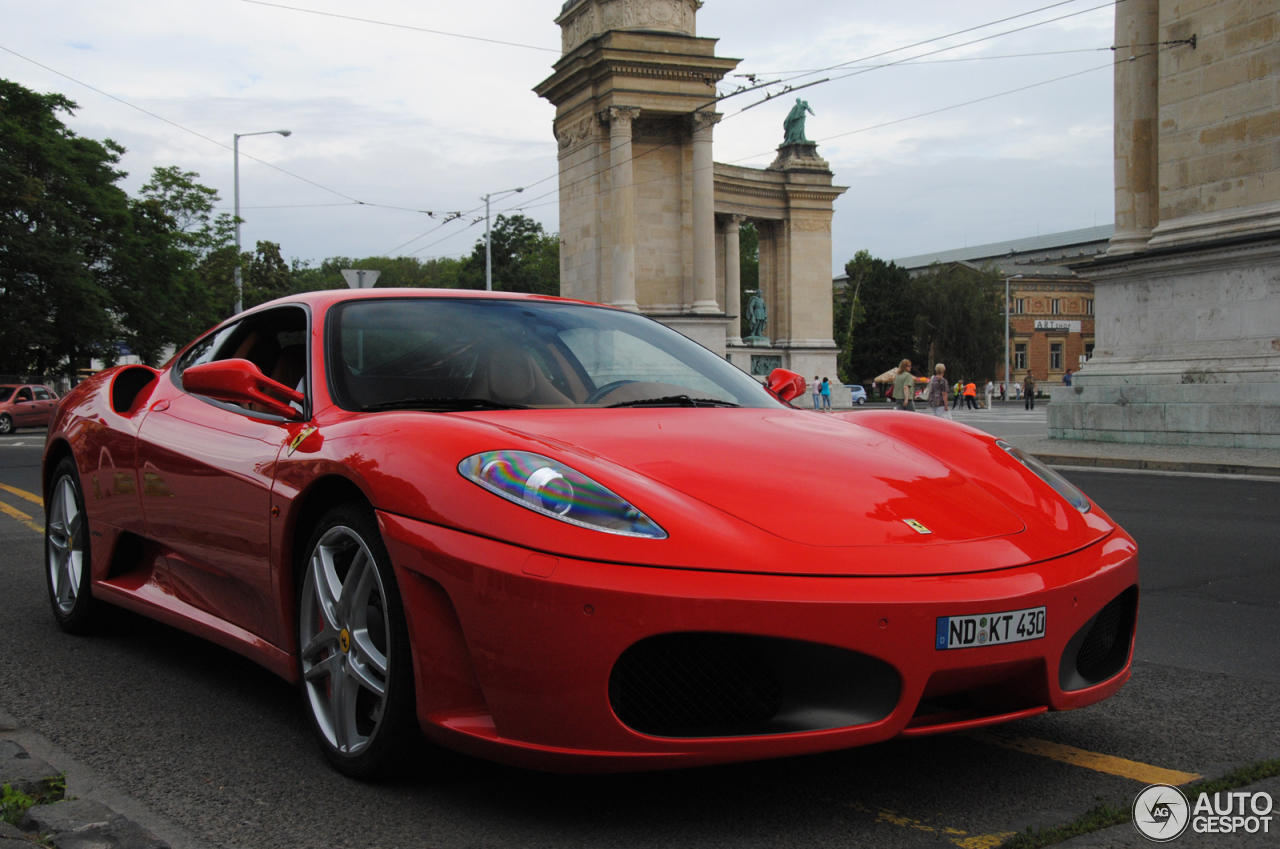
<point>441,405</point>
<point>675,401</point>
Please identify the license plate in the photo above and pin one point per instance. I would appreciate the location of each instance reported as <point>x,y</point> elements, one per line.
<point>991,629</point>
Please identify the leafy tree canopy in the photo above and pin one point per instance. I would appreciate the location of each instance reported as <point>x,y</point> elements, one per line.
<point>525,258</point>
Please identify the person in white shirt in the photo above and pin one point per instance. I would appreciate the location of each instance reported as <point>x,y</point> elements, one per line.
<point>990,392</point>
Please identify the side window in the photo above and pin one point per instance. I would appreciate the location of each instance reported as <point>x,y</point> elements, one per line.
<point>42,394</point>
<point>275,341</point>
<point>24,394</point>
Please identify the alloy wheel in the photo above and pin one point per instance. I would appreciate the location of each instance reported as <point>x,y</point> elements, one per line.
<point>6,425</point>
<point>345,637</point>
<point>65,552</point>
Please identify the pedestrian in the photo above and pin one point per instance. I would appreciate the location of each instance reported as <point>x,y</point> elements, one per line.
<point>959,387</point>
<point>1004,392</point>
<point>816,388</point>
<point>971,396</point>
<point>826,394</point>
<point>1029,392</point>
<point>938,392</point>
<point>990,391</point>
<point>1066,378</point>
<point>904,388</point>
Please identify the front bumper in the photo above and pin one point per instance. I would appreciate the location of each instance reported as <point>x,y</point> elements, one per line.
<point>513,650</point>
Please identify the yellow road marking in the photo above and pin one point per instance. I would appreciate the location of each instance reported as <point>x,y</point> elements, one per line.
<point>22,493</point>
<point>957,836</point>
<point>1109,764</point>
<point>21,517</point>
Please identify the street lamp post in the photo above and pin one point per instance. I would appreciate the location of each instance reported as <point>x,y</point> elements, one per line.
<point>236,147</point>
<point>488,240</point>
<point>1007,387</point>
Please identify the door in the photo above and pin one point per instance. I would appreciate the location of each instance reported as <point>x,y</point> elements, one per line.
<point>23,410</point>
<point>44,404</point>
<point>206,470</point>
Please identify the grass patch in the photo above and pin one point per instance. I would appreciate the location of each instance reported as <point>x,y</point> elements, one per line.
<point>1107,815</point>
<point>14,803</point>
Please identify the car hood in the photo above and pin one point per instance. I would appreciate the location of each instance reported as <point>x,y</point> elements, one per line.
<point>807,478</point>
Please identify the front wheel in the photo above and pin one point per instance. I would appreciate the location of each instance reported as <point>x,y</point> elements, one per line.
<point>6,425</point>
<point>66,545</point>
<point>861,401</point>
<point>353,647</point>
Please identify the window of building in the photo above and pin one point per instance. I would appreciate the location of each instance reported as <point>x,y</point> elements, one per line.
<point>1055,355</point>
<point>1055,306</point>
<point>1088,306</point>
<point>1020,356</point>
<point>1019,306</point>
<point>1088,350</point>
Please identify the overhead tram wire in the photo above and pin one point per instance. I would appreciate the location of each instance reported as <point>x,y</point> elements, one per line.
<point>913,61</point>
<point>400,26</point>
<point>120,100</point>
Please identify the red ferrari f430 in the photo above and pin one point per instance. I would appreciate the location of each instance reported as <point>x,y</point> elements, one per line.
<point>564,536</point>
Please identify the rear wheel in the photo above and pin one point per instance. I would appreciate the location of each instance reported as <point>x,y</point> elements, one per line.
<point>354,660</point>
<point>6,424</point>
<point>66,544</point>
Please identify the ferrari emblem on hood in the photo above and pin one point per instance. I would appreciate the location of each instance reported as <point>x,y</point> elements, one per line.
<point>917,527</point>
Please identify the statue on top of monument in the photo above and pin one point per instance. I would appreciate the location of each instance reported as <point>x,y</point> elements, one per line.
<point>794,124</point>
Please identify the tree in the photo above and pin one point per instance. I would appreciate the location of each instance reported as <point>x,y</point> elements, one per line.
<point>525,259</point>
<point>878,331</point>
<point>61,219</point>
<point>959,320</point>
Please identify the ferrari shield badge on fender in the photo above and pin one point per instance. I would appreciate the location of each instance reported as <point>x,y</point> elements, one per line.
<point>917,527</point>
<point>300,438</point>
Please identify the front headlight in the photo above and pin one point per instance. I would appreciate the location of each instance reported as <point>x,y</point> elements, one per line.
<point>553,489</point>
<point>1060,485</point>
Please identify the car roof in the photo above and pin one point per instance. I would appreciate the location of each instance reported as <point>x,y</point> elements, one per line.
<point>329,297</point>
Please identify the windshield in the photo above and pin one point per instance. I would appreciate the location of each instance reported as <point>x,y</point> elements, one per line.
<point>453,353</point>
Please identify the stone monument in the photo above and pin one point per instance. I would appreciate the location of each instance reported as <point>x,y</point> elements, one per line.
<point>649,221</point>
<point>1188,296</point>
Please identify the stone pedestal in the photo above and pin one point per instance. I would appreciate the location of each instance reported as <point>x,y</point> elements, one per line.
<point>1188,351</point>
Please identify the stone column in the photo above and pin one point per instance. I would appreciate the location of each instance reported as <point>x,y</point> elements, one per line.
<point>620,119</point>
<point>1137,119</point>
<point>704,216</point>
<point>733,277</point>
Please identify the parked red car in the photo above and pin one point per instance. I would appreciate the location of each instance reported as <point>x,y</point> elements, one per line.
<point>25,405</point>
<point>564,536</point>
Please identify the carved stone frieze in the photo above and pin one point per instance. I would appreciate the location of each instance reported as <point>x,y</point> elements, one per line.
<point>577,133</point>
<point>595,17</point>
<point>810,225</point>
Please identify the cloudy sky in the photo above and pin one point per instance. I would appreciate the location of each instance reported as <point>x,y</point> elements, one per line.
<point>427,122</point>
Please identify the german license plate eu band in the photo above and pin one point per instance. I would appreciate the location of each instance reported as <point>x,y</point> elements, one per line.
<point>991,629</point>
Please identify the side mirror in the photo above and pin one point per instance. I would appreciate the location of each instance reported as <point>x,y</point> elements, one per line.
<point>786,384</point>
<point>241,382</point>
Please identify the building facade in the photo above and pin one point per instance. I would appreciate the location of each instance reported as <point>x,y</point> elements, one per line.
<point>1051,306</point>
<point>1188,295</point>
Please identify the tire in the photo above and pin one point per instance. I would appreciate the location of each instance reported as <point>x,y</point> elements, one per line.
<point>66,552</point>
<point>861,401</point>
<point>354,663</point>
<point>6,425</point>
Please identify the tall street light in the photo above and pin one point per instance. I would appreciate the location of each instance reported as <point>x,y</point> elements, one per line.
<point>236,146</point>
<point>488,240</point>
<point>1007,388</point>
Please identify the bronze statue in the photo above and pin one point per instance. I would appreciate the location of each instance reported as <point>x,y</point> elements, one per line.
<point>794,124</point>
<point>757,316</point>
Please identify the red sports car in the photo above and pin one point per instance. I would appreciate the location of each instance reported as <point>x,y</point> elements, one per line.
<point>25,405</point>
<point>563,536</point>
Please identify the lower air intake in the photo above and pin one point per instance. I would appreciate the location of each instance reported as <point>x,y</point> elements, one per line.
<point>729,685</point>
<point>1100,649</point>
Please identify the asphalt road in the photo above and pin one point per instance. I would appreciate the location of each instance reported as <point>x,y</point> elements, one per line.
<point>217,746</point>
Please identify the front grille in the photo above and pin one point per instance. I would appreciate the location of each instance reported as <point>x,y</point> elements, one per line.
<point>1100,642</point>
<point>693,685</point>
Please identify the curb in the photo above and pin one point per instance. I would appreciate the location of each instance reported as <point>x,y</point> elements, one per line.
<point>1158,465</point>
